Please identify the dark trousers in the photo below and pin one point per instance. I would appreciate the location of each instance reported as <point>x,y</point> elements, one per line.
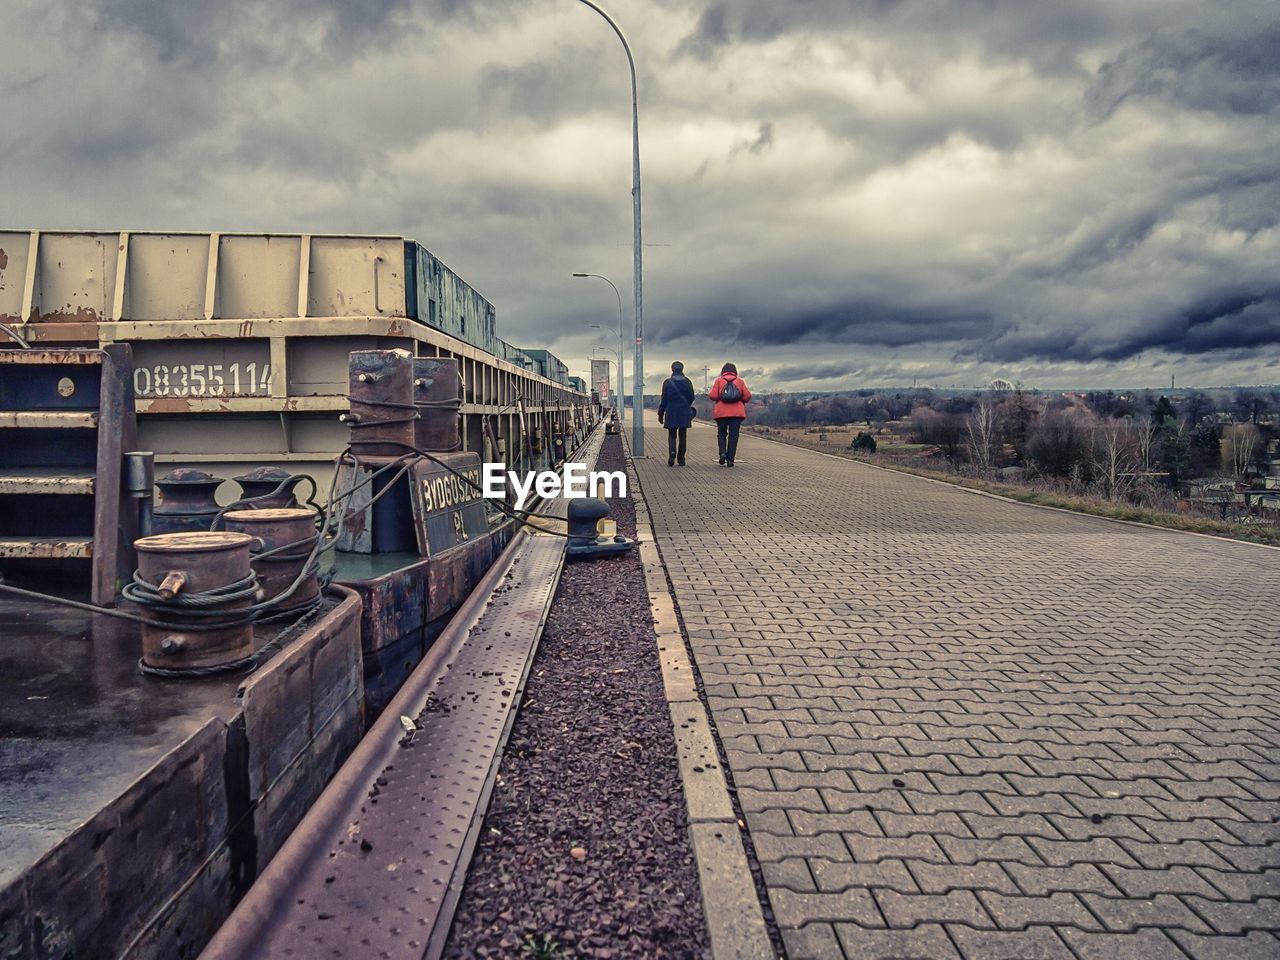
<point>727,436</point>
<point>676,442</point>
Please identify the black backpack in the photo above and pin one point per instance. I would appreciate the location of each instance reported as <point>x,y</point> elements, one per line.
<point>731,392</point>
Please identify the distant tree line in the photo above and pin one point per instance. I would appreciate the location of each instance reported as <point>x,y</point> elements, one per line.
<point>1111,442</point>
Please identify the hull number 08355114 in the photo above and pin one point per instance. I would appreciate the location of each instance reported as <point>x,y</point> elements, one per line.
<point>202,380</point>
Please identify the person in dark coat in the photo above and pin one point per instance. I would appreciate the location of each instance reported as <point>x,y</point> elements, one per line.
<point>731,396</point>
<point>675,412</point>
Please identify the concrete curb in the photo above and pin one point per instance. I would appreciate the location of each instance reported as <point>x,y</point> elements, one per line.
<point>1021,503</point>
<point>735,920</point>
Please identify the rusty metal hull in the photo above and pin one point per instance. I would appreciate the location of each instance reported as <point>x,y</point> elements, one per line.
<point>406,608</point>
<point>378,864</point>
<point>137,810</point>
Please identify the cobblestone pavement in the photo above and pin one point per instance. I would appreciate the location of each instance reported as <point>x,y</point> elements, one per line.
<point>965,727</point>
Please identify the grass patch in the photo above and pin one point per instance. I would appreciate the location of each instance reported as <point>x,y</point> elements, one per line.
<point>1045,498</point>
<point>542,947</point>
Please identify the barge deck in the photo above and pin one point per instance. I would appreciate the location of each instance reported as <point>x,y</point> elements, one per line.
<point>137,809</point>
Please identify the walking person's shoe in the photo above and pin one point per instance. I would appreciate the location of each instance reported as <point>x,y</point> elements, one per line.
<point>729,464</point>
<point>680,463</point>
<point>671,460</point>
<point>722,461</point>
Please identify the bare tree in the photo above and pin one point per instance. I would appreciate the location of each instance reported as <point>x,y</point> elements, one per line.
<point>1241,443</point>
<point>980,426</point>
<point>1145,436</point>
<point>1113,457</point>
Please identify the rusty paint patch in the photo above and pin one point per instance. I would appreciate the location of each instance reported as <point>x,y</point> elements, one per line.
<point>86,333</point>
<point>54,357</point>
<point>166,405</point>
<point>356,523</point>
<point>46,548</point>
<point>85,315</point>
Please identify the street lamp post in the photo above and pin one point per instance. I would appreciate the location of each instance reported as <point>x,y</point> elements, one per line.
<point>622,384</point>
<point>637,422</point>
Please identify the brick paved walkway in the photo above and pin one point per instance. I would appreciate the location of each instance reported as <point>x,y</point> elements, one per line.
<point>965,727</point>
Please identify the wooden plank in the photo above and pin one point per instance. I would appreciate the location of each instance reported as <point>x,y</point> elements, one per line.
<point>46,548</point>
<point>47,419</point>
<point>46,357</point>
<point>45,480</point>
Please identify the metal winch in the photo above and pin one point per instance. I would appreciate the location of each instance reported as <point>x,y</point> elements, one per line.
<point>269,487</point>
<point>186,501</point>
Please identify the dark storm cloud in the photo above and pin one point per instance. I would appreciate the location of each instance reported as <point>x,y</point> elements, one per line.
<point>186,33</point>
<point>541,92</point>
<point>263,142</point>
<point>198,34</point>
<point>816,371</point>
<point>1238,323</point>
<point>1236,72</point>
<point>869,322</point>
<point>1003,26</point>
<point>915,185</point>
<point>1228,322</point>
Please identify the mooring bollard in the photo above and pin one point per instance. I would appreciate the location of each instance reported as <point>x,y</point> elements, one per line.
<point>292,528</point>
<point>263,486</point>
<point>186,501</point>
<point>192,580</point>
<point>591,532</point>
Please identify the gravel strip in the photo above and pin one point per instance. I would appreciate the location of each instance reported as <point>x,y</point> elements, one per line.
<point>585,849</point>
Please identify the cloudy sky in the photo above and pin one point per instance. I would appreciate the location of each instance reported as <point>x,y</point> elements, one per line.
<point>836,192</point>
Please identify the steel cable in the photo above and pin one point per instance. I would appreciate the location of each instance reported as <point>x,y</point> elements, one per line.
<point>325,540</point>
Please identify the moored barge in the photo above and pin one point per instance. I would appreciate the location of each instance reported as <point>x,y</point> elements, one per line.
<point>157,388</point>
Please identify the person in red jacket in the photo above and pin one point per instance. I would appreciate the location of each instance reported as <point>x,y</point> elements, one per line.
<point>731,396</point>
